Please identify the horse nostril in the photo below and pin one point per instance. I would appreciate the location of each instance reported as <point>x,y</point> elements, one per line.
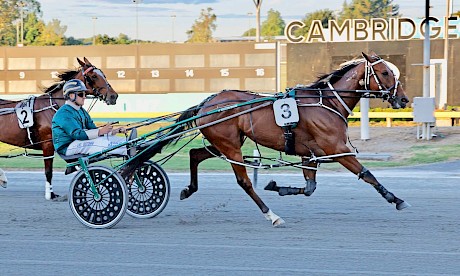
<point>113,97</point>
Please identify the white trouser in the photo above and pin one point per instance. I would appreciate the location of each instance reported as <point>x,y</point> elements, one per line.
<point>96,145</point>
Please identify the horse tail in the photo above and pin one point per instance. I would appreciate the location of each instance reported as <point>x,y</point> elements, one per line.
<point>156,148</point>
<point>183,123</point>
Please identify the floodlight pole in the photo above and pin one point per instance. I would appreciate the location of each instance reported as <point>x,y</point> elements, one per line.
<point>173,17</point>
<point>258,4</point>
<point>22,5</point>
<point>137,19</point>
<point>94,29</point>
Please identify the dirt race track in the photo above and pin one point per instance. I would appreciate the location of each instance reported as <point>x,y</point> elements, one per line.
<point>344,228</point>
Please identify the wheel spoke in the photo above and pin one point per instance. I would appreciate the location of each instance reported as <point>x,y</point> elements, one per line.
<point>152,199</point>
<point>105,211</point>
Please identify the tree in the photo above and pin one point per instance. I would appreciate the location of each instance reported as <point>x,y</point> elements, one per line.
<point>250,32</point>
<point>73,41</point>
<point>203,27</point>
<point>13,13</point>
<point>33,29</point>
<point>368,9</point>
<point>323,15</point>
<point>105,39</point>
<point>9,12</point>
<point>273,25</point>
<point>53,34</point>
<point>123,39</point>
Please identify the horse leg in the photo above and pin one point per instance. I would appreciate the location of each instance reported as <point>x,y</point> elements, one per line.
<point>353,165</point>
<point>310,182</point>
<point>48,154</point>
<point>310,177</point>
<point>245,183</point>
<point>196,157</point>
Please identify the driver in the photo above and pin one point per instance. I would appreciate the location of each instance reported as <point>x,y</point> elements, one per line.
<point>74,132</point>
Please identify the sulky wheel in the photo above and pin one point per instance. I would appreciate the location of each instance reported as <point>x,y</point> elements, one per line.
<point>149,192</point>
<point>95,211</point>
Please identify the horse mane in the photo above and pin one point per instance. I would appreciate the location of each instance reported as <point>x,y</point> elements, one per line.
<point>336,75</point>
<point>63,77</point>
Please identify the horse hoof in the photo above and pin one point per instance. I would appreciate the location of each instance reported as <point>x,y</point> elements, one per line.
<point>184,194</point>
<point>278,222</point>
<point>271,186</point>
<point>402,205</point>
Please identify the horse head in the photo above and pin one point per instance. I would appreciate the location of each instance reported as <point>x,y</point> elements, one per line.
<point>97,83</point>
<point>383,76</point>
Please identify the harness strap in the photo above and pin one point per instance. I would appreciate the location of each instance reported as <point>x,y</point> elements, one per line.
<point>289,143</point>
<point>28,135</point>
<point>340,99</point>
<point>88,70</point>
<point>7,110</point>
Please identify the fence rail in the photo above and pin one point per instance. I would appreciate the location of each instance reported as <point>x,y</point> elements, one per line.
<point>449,117</point>
<point>444,117</point>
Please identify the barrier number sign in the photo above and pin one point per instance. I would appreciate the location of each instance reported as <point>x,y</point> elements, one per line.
<point>286,112</point>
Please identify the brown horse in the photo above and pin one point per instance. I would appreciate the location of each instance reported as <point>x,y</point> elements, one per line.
<point>39,136</point>
<point>321,129</point>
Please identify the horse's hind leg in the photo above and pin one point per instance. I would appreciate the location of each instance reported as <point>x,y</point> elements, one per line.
<point>196,157</point>
<point>48,153</point>
<point>352,164</point>
<point>310,177</point>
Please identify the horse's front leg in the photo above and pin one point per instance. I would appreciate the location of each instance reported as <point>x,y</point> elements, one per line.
<point>353,165</point>
<point>243,180</point>
<point>196,157</point>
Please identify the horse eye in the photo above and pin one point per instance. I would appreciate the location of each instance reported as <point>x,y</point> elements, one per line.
<point>94,76</point>
<point>385,73</point>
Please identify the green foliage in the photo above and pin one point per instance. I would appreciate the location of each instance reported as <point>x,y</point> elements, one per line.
<point>33,29</point>
<point>36,31</point>
<point>10,18</point>
<point>73,41</point>
<point>203,27</point>
<point>53,34</point>
<point>323,15</point>
<point>123,39</point>
<point>9,13</point>
<point>273,25</point>
<point>250,32</point>
<point>368,9</point>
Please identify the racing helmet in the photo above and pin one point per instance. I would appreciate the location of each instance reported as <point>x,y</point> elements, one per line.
<point>73,86</point>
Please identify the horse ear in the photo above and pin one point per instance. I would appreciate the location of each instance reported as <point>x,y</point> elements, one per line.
<point>86,61</point>
<point>80,62</point>
<point>366,56</point>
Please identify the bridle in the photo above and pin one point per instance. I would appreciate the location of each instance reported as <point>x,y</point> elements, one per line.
<point>385,92</point>
<point>96,91</point>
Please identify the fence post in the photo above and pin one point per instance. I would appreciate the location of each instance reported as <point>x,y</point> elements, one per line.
<point>364,121</point>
